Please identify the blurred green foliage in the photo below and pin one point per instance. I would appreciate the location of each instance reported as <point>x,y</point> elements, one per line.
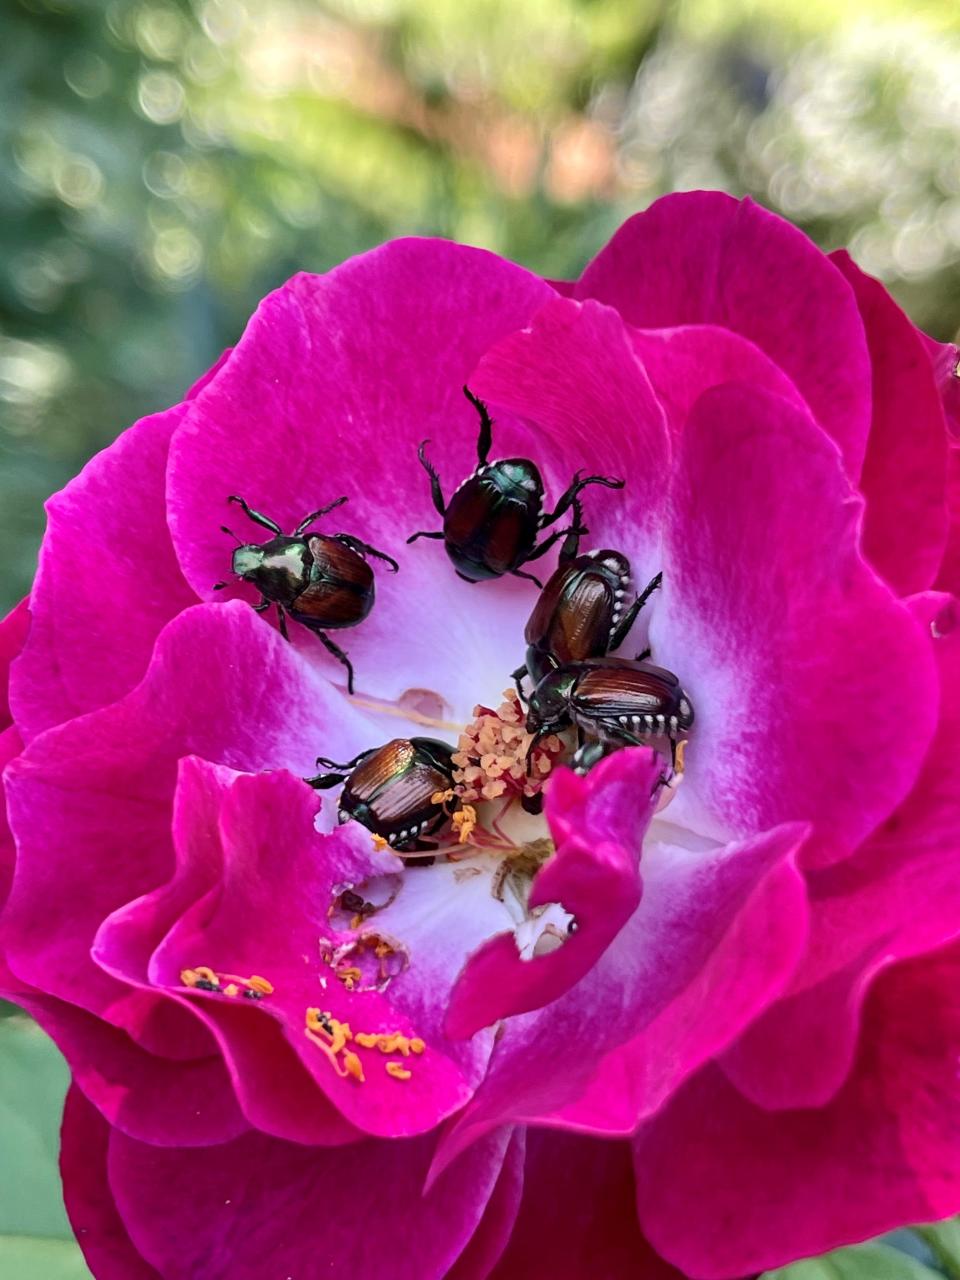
<point>164,163</point>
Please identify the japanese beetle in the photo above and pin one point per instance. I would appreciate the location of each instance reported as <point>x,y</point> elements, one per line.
<point>322,582</point>
<point>390,790</point>
<point>492,522</point>
<point>580,612</point>
<point>612,700</point>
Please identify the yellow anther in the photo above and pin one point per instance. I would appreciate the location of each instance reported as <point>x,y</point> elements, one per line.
<point>366,1039</point>
<point>379,843</point>
<point>189,977</point>
<point>353,1065</point>
<point>231,990</point>
<point>464,822</point>
<point>417,1045</point>
<point>206,975</point>
<point>349,976</point>
<point>260,984</point>
<point>398,1071</point>
<point>442,797</point>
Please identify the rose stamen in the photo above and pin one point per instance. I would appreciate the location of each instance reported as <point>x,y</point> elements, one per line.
<point>231,985</point>
<point>333,1036</point>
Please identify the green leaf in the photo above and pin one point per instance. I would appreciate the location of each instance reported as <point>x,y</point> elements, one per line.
<point>943,1239</point>
<point>32,1258</point>
<point>862,1262</point>
<point>35,1236</point>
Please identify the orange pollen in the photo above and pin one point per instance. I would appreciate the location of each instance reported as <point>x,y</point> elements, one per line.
<point>332,1036</point>
<point>349,976</point>
<point>398,1071</point>
<point>204,978</point>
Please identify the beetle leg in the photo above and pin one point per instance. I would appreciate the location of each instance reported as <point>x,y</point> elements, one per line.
<point>281,614</point>
<point>643,655</point>
<point>315,515</point>
<point>551,540</point>
<point>424,533</point>
<point>255,516</point>
<point>517,678</point>
<point>571,543</point>
<point>629,618</point>
<point>324,781</point>
<point>355,544</point>
<point>351,764</point>
<point>435,490</point>
<point>485,437</point>
<point>262,607</point>
<point>578,483</point>
<point>518,573</point>
<point>339,655</point>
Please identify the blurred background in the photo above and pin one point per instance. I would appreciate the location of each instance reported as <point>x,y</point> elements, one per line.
<point>164,163</point>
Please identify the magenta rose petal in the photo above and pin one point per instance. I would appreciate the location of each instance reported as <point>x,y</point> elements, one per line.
<point>786,641</point>
<point>884,1152</point>
<point>573,376</point>
<point>95,789</point>
<point>904,472</point>
<point>898,895</point>
<point>184,1103</point>
<point>128,938</point>
<point>107,582</point>
<point>717,934</point>
<point>597,823</point>
<point>490,1238</point>
<point>354,1210</point>
<point>278,868</point>
<point>704,258</point>
<point>13,633</point>
<point>684,362</point>
<point>945,361</point>
<point>334,384</point>
<point>578,1215</point>
<point>100,1232</point>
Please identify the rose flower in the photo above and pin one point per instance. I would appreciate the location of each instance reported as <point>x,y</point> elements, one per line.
<point>698,1018</point>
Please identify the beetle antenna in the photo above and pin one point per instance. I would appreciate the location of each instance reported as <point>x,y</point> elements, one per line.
<point>224,529</point>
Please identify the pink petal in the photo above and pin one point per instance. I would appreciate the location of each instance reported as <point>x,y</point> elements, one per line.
<point>785,639</point>
<point>106,584</point>
<point>490,1238</point>
<point>702,257</point>
<point>578,1217</point>
<point>898,895</point>
<point>330,390</point>
<point>154,1099</point>
<point>684,362</point>
<point>97,792</point>
<point>354,1211</point>
<point>597,823</point>
<point>884,1152</point>
<point>573,376</point>
<point>904,472</point>
<point>717,934</point>
<point>13,633</point>
<point>269,916</point>
<point>945,361</point>
<point>93,1214</point>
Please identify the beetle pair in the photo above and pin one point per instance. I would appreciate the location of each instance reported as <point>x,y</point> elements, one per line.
<point>577,621</point>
